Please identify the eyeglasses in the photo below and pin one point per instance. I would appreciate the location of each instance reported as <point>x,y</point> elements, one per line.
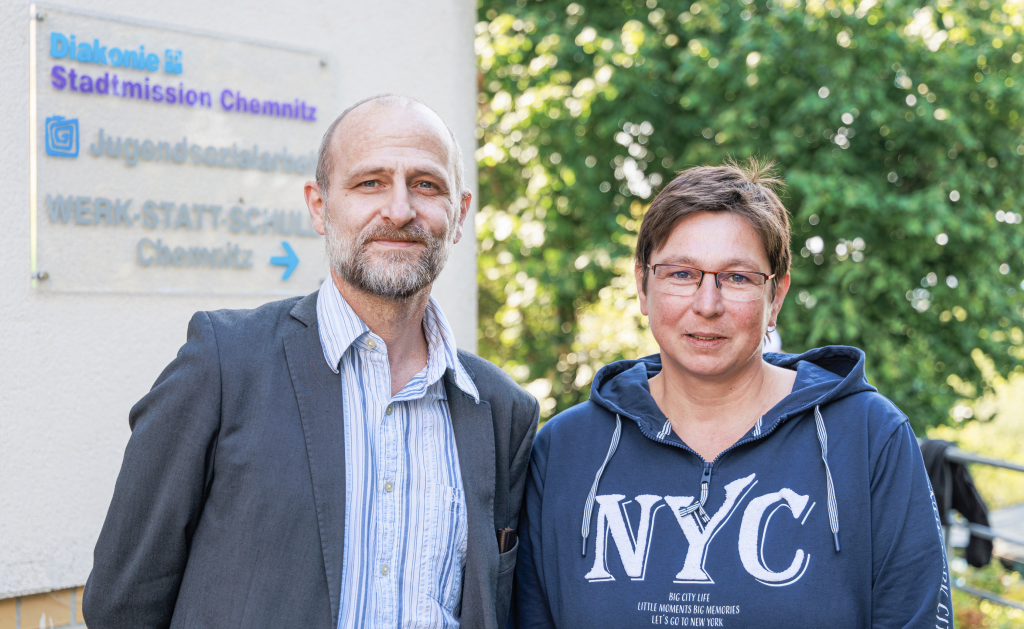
<point>684,281</point>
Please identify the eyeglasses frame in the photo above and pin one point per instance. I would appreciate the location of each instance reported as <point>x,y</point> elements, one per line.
<point>718,284</point>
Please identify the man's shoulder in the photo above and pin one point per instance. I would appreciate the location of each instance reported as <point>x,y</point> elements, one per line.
<point>493,384</point>
<point>251,325</point>
<point>484,372</point>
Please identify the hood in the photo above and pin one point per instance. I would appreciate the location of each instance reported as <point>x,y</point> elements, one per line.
<point>826,374</point>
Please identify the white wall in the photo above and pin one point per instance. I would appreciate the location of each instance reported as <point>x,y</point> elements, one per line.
<point>71,366</point>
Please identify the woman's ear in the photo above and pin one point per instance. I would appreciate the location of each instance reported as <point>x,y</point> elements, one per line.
<point>638,272</point>
<point>780,295</point>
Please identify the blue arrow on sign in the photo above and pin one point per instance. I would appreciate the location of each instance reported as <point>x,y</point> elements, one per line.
<point>291,260</point>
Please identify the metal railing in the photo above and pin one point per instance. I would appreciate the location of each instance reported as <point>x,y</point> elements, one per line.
<point>956,455</point>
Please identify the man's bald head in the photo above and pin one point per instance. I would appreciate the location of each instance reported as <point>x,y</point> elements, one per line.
<point>325,158</point>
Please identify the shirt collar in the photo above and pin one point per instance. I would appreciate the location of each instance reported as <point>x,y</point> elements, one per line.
<point>340,327</point>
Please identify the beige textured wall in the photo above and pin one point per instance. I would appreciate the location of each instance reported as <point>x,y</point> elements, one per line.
<point>72,365</point>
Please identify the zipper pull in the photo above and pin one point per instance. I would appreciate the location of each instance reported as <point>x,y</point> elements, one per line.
<point>705,483</point>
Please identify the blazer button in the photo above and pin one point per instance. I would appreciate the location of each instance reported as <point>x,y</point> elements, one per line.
<point>388,486</point>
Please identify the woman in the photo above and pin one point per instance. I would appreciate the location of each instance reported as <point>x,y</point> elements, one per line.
<point>708,486</point>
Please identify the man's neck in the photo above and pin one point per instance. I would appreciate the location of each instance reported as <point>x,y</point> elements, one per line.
<point>398,323</point>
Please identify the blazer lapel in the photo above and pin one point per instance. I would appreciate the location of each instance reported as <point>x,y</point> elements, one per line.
<point>318,391</point>
<point>474,439</point>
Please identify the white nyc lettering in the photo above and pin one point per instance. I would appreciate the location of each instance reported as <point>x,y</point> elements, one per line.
<point>698,537</point>
<point>752,537</point>
<point>633,548</point>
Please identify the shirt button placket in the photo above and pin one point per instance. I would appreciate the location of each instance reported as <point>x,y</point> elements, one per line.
<point>390,505</point>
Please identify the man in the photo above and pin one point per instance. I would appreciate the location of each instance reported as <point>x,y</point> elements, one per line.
<point>330,461</point>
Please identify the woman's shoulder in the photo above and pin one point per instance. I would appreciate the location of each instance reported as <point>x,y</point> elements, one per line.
<point>576,425</point>
<point>576,418</point>
<point>871,412</point>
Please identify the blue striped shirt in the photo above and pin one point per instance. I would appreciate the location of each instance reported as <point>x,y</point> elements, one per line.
<point>405,511</point>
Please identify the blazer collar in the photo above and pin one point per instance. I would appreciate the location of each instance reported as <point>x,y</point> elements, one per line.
<point>305,309</point>
<point>318,394</point>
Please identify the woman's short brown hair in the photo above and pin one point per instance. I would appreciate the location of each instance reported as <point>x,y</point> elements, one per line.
<point>748,190</point>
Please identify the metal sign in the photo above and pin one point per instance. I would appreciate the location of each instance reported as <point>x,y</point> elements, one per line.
<point>171,161</point>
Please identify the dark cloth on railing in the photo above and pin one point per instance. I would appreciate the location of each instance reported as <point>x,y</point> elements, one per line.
<point>954,489</point>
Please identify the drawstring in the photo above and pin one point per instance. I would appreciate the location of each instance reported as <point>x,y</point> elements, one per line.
<point>833,511</point>
<point>589,509</point>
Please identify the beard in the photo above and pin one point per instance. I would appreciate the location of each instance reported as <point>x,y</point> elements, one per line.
<point>395,275</point>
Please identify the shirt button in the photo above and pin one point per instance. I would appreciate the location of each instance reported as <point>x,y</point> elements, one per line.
<point>388,410</point>
<point>371,343</point>
<point>384,570</point>
<point>388,486</point>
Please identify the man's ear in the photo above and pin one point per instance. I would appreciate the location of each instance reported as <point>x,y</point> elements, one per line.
<point>315,203</point>
<point>464,202</point>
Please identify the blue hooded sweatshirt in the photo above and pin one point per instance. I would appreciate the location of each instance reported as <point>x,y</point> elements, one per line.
<point>820,516</point>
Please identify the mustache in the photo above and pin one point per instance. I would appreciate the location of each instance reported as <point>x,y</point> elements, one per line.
<point>382,231</point>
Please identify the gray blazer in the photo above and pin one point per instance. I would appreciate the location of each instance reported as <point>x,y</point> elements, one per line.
<point>229,510</point>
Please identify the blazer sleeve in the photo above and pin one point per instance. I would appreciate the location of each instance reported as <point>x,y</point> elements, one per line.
<point>524,429</point>
<point>143,547</point>
<point>911,580</point>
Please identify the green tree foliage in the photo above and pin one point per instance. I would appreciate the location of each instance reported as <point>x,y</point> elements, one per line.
<point>895,125</point>
<point>998,433</point>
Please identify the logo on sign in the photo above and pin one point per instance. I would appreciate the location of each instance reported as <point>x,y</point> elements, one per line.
<point>67,47</point>
<point>172,61</point>
<point>62,136</point>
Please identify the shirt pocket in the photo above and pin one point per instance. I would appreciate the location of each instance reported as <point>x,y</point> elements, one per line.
<point>443,535</point>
